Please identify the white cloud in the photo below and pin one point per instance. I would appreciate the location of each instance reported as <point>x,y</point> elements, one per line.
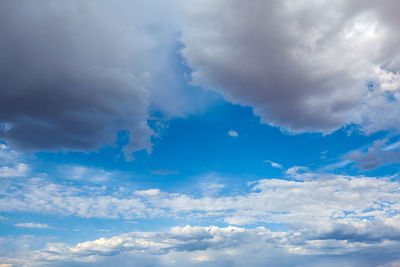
<point>324,215</point>
<point>33,225</point>
<point>84,173</point>
<point>216,246</point>
<point>19,170</point>
<point>233,133</point>
<point>312,73</point>
<point>314,203</point>
<point>274,164</point>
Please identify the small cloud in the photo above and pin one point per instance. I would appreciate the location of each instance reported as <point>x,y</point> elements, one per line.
<point>233,133</point>
<point>273,164</point>
<point>19,170</point>
<point>337,165</point>
<point>33,225</point>
<point>3,147</point>
<point>148,192</point>
<point>377,155</point>
<point>164,172</point>
<point>393,146</point>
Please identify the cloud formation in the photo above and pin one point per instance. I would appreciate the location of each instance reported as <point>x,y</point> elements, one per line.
<point>322,205</point>
<point>303,66</point>
<point>74,73</point>
<point>321,214</point>
<point>213,246</point>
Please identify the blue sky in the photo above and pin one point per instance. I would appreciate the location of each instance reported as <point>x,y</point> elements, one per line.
<point>195,134</point>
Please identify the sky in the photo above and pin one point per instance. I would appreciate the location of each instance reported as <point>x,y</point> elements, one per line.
<point>199,133</point>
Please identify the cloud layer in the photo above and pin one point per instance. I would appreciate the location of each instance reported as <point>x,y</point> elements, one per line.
<point>318,205</point>
<point>213,246</point>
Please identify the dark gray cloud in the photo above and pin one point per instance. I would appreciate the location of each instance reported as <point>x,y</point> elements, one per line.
<point>377,155</point>
<point>303,66</point>
<point>73,73</point>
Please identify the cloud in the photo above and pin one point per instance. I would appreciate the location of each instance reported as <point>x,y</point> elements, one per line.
<point>318,205</point>
<point>84,173</point>
<point>214,246</point>
<point>329,218</point>
<point>233,133</point>
<point>74,73</point>
<point>19,170</point>
<point>33,225</point>
<point>303,66</point>
<point>273,164</point>
<point>7,155</point>
<point>376,156</point>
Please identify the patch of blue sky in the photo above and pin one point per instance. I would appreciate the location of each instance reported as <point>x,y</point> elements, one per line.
<point>195,146</point>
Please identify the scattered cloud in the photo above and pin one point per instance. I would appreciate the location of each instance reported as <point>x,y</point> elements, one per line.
<point>233,133</point>
<point>330,203</point>
<point>323,215</point>
<point>216,246</point>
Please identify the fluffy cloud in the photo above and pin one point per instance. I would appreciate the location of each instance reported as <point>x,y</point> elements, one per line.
<point>319,205</point>
<point>322,214</point>
<point>74,73</point>
<point>302,65</point>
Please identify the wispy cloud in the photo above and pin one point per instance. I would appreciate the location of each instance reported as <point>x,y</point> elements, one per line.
<point>19,170</point>
<point>274,164</point>
<point>33,225</point>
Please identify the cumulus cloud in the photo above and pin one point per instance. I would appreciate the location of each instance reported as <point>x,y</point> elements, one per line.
<point>74,73</point>
<point>303,66</point>
<point>323,214</point>
<point>316,204</point>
